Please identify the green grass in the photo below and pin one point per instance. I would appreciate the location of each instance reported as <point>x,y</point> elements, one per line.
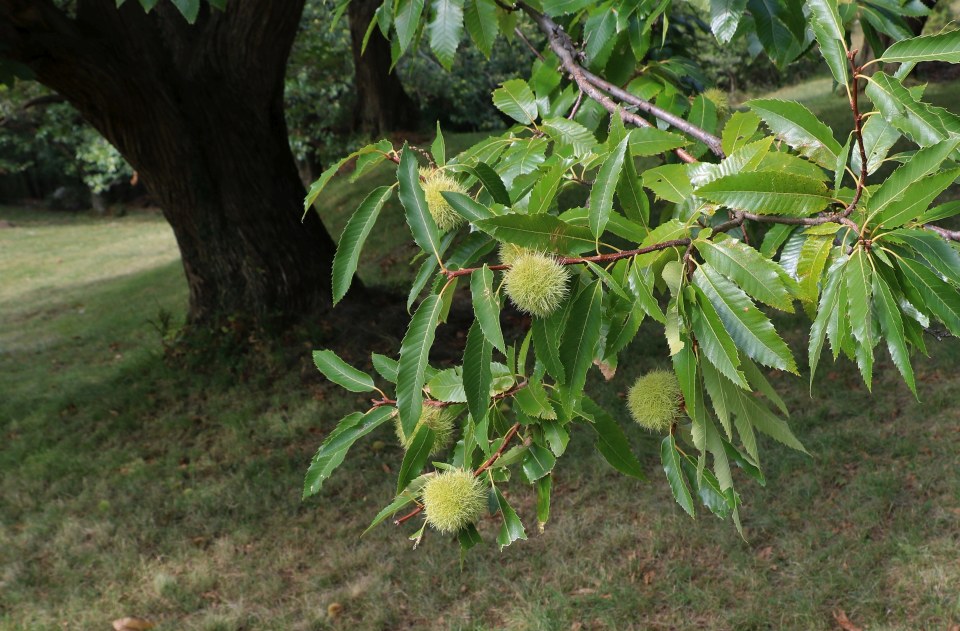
<point>136,485</point>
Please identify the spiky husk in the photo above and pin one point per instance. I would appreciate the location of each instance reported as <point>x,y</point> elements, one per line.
<point>654,400</point>
<point>536,283</point>
<point>453,500</point>
<point>440,420</point>
<point>719,99</point>
<point>434,183</point>
<point>510,251</point>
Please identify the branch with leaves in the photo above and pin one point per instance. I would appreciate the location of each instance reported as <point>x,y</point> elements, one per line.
<point>591,218</point>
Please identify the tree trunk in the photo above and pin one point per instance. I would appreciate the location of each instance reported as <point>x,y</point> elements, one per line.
<point>382,104</point>
<point>198,112</point>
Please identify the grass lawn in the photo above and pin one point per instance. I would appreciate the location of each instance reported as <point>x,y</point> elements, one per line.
<point>131,485</point>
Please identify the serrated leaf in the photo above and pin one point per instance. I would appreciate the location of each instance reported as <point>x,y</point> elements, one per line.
<point>768,193</point>
<point>543,485</point>
<point>414,354</point>
<point>487,307</point>
<point>924,162</point>
<point>537,462</point>
<point>768,423</point>
<point>354,235</point>
<point>932,294</point>
<point>858,275</point>
<point>189,9</point>
<point>342,373</point>
<point>633,200</point>
<point>446,29</point>
<point>581,336</point>
<point>810,266</point>
<point>917,199</point>
<point>670,459</point>
<point>939,47</point>
<point>920,122</point>
<point>800,128</point>
<point>891,325</point>
<point>828,29</point>
<point>739,131</point>
<point>715,343</point>
<point>492,182</point>
<point>422,225</point>
<point>756,274</point>
<point>512,527</point>
<point>650,141</point>
<point>752,331</point>
<point>601,194</point>
<point>386,367</point>
<point>334,448</point>
<point>406,19</point>
<point>878,137</point>
<point>938,253</point>
<point>416,456</point>
<point>543,232</point>
<point>480,18</point>
<point>612,442</point>
<point>569,133</point>
<point>724,19</point>
<point>670,182</point>
<point>466,206</point>
<point>477,377</point>
<point>515,99</point>
<point>407,496</point>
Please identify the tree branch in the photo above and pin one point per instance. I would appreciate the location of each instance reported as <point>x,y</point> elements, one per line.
<point>594,87</point>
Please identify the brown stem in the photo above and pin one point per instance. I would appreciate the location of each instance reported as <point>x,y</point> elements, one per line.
<point>858,132</point>
<point>592,86</point>
<point>949,235</point>
<point>578,260</point>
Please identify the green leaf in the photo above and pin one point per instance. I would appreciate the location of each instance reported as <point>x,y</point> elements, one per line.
<point>189,9</point>
<point>767,422</point>
<point>466,207</point>
<point>750,329</point>
<point>353,237</point>
<point>385,366</point>
<point>858,275</point>
<point>414,354</point>
<point>439,148</point>
<point>581,336</point>
<point>543,499</point>
<point>406,20</point>
<point>512,528</point>
<point>545,190</point>
<point>533,401</point>
<point>537,462</point>
<point>342,373</point>
<point>633,200</point>
<point>570,133</point>
<point>421,222</point>
<point>417,455</point>
<point>446,29</point>
<point>800,128</point>
<point>756,274</point>
<point>878,137</point>
<point>492,182</point>
<point>715,342</point>
<point>670,459</point>
<point>937,252</point>
<point>932,294</point>
<point>813,260</point>
<point>891,325</point>
<point>321,182</point>
<point>920,122</point>
<point>487,307</point>
<point>940,47</point>
<point>547,345</point>
<point>555,8</point>
<point>601,194</point>
<point>768,193</point>
<point>333,450</point>
<point>739,131</point>
<point>917,198</point>
<point>923,163</point>
<point>650,141</point>
<point>476,372</point>
<point>406,497</point>
<point>724,19</point>
<point>670,182</point>
<point>612,442</point>
<point>480,18</point>
<point>828,29</point>
<point>543,232</point>
<point>515,99</point>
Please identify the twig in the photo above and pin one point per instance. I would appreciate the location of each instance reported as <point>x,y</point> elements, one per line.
<point>949,235</point>
<point>858,132</point>
<point>578,260</point>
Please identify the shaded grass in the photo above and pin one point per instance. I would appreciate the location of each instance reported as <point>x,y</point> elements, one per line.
<point>134,486</point>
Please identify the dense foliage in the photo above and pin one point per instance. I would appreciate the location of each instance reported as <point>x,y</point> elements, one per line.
<point>761,209</point>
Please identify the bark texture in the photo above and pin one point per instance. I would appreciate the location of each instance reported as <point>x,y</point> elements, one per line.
<point>198,112</point>
<point>382,104</point>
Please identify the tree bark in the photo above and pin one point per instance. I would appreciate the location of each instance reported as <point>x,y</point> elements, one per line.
<point>382,104</point>
<point>198,112</point>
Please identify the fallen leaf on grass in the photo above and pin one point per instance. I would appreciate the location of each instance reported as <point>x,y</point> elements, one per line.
<point>844,621</point>
<point>132,624</point>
